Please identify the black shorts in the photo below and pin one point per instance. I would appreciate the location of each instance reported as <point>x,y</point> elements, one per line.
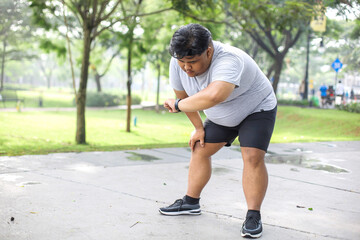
<point>254,131</point>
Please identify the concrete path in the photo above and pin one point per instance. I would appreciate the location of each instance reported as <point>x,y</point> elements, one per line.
<point>314,193</point>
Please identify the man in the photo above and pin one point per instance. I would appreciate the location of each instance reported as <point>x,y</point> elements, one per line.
<point>323,94</point>
<point>237,99</point>
<point>339,91</point>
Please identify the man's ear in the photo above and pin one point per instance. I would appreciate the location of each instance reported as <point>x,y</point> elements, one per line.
<point>209,51</point>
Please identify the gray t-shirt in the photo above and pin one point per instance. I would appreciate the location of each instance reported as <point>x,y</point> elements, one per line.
<point>253,91</point>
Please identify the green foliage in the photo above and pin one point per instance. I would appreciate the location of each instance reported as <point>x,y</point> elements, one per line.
<point>15,30</point>
<point>95,99</point>
<point>290,102</point>
<point>135,99</point>
<point>52,45</point>
<point>355,34</point>
<point>41,10</point>
<point>350,107</point>
<point>313,102</point>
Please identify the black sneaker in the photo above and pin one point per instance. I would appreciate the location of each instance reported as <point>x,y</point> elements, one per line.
<point>252,227</point>
<point>181,207</point>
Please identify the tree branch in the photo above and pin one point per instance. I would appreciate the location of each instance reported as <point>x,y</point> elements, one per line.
<point>109,63</point>
<point>127,17</point>
<point>93,15</point>
<point>255,36</point>
<point>267,34</point>
<point>109,13</point>
<point>199,19</point>
<point>74,11</point>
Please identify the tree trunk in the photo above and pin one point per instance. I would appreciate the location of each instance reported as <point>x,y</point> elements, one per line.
<point>158,88</point>
<point>270,71</point>
<point>48,78</point>
<point>81,95</point>
<point>3,65</point>
<point>128,84</point>
<point>97,80</point>
<point>278,68</point>
<point>306,77</point>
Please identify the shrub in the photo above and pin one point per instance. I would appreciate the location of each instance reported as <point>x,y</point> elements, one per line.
<point>95,99</point>
<point>101,99</point>
<point>134,100</point>
<point>350,107</point>
<point>313,102</point>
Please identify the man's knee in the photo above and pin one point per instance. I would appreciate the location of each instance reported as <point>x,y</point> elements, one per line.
<point>253,156</point>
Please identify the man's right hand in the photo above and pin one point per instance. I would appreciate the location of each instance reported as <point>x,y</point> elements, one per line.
<point>197,135</point>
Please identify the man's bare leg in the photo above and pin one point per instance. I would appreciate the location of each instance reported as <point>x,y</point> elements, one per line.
<point>255,177</point>
<point>200,167</point>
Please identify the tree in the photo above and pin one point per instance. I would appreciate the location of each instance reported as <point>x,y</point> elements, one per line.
<point>156,38</point>
<point>98,62</point>
<point>274,25</point>
<point>93,17</point>
<point>132,40</point>
<point>14,27</point>
<point>87,19</point>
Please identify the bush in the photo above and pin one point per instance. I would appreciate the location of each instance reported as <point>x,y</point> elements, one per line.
<point>134,100</point>
<point>101,100</point>
<point>313,102</point>
<point>350,107</point>
<point>95,99</point>
<point>293,102</point>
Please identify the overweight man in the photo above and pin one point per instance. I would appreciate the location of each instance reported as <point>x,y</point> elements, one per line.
<point>238,101</point>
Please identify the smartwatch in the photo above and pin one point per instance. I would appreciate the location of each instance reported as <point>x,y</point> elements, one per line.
<point>177,104</point>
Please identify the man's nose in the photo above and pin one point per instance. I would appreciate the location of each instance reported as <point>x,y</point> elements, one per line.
<point>187,66</point>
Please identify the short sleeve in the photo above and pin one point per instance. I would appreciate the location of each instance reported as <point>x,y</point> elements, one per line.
<point>228,69</point>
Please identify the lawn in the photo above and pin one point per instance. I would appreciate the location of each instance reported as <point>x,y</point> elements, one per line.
<point>39,132</point>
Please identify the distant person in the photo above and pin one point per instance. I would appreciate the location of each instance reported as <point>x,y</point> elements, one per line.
<point>346,96</point>
<point>352,95</point>
<point>302,89</point>
<point>238,101</point>
<point>339,91</point>
<point>323,93</point>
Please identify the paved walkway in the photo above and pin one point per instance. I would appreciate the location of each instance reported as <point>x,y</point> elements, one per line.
<point>314,193</point>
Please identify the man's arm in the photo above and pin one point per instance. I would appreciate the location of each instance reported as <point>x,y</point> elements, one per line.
<point>215,93</point>
<point>195,119</point>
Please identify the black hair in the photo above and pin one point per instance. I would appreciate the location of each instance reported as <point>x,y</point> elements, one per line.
<point>189,40</point>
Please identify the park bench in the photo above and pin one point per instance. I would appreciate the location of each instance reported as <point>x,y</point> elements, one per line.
<point>9,96</point>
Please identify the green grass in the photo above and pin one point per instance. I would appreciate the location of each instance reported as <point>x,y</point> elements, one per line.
<point>50,98</point>
<point>38,132</point>
<point>296,124</point>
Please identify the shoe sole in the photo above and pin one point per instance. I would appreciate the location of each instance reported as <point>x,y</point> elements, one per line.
<point>188,212</point>
<point>249,235</point>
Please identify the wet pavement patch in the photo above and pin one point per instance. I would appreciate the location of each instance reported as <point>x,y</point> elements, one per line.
<point>304,161</point>
<point>302,150</point>
<point>220,170</point>
<point>141,157</point>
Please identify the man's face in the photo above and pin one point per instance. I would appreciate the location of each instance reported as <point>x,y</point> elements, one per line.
<point>196,65</point>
